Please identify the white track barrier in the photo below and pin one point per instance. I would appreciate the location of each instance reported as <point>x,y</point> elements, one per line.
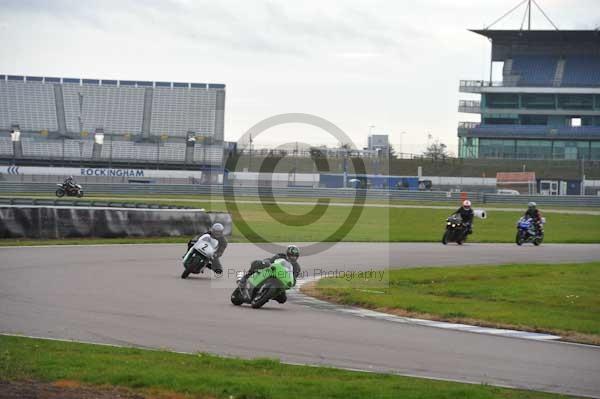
<point>480,213</point>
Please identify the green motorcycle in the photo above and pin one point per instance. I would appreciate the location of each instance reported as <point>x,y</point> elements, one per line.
<point>265,284</point>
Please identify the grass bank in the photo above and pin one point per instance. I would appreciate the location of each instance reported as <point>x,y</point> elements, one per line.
<point>560,299</point>
<point>208,376</point>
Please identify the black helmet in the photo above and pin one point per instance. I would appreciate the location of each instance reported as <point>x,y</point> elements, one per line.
<point>292,251</point>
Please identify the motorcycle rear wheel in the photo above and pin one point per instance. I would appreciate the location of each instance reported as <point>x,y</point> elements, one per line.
<point>80,194</point>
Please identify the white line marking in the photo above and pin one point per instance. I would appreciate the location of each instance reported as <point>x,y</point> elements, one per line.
<point>360,312</point>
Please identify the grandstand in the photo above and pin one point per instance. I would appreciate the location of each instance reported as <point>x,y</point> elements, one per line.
<point>547,105</point>
<point>111,122</point>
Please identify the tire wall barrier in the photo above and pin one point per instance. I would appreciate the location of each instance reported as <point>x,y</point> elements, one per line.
<point>49,222</point>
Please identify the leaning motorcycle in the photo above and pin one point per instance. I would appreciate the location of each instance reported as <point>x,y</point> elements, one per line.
<point>526,232</point>
<point>69,191</point>
<point>264,285</point>
<point>456,230</point>
<point>199,255</point>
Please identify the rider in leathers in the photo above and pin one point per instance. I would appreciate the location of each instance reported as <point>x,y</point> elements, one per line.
<point>466,214</point>
<point>291,254</point>
<point>216,232</point>
<point>535,214</point>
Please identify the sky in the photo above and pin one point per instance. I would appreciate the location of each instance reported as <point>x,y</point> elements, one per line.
<point>381,67</point>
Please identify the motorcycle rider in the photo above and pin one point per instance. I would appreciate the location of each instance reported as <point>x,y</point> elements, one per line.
<point>535,214</point>
<point>292,253</point>
<point>466,214</point>
<point>69,183</point>
<point>216,232</point>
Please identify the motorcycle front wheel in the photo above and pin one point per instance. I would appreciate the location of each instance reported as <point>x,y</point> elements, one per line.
<point>185,274</point>
<point>262,296</point>
<point>60,193</point>
<point>519,239</point>
<point>236,297</point>
<point>445,237</point>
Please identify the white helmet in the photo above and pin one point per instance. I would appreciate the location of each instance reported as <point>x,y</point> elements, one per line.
<point>217,229</point>
<point>466,204</point>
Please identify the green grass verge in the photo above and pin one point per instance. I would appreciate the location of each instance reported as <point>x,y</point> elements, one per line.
<point>561,299</point>
<point>207,375</point>
<point>375,224</point>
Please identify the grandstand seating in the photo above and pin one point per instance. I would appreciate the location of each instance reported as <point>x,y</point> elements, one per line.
<point>131,151</point>
<point>172,152</point>
<point>30,105</point>
<point>535,70</point>
<point>210,154</point>
<point>582,71</point>
<point>53,149</point>
<point>177,111</point>
<point>6,146</point>
<point>50,149</point>
<point>115,109</point>
<point>79,149</point>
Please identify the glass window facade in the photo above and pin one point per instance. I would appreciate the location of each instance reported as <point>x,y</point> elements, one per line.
<point>595,150</point>
<point>571,149</point>
<point>468,147</point>
<point>501,100</point>
<point>534,149</point>
<point>528,149</point>
<point>576,101</point>
<point>538,101</point>
<point>492,148</point>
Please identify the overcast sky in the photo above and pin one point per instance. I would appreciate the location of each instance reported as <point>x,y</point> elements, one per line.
<point>390,64</point>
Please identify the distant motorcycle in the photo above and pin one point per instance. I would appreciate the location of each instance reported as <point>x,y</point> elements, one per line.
<point>456,230</point>
<point>526,232</point>
<point>265,284</point>
<point>199,255</point>
<point>68,190</point>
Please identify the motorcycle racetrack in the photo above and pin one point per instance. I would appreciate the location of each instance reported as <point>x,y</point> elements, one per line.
<point>133,295</point>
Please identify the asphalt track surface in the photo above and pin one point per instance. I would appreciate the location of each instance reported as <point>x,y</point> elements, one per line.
<point>133,295</point>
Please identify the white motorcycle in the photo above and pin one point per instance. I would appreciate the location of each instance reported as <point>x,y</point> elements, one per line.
<point>199,255</point>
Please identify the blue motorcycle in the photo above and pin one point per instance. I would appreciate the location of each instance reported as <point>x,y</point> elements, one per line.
<point>526,232</point>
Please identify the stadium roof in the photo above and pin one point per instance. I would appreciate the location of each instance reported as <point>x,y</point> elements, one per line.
<point>507,43</point>
<point>516,36</point>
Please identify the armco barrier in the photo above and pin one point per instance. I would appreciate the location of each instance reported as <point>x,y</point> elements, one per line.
<point>291,192</point>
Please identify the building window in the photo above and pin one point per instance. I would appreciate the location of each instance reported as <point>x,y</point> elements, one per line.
<point>595,150</point>
<point>538,101</point>
<point>575,101</point>
<point>534,149</point>
<point>491,148</point>
<point>571,149</point>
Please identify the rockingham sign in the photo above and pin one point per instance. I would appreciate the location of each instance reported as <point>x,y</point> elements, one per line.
<point>112,172</point>
<point>100,172</point>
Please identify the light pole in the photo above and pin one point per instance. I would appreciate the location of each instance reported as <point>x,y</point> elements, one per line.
<point>15,137</point>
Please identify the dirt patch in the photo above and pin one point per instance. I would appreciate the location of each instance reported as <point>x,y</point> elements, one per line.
<point>68,389</point>
<point>61,390</point>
